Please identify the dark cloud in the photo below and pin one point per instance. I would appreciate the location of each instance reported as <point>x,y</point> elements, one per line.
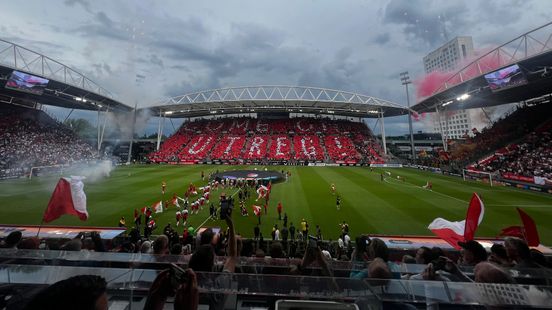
<point>181,47</point>
<point>103,26</point>
<point>427,21</point>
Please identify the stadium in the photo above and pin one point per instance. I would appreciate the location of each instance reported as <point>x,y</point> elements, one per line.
<point>277,196</point>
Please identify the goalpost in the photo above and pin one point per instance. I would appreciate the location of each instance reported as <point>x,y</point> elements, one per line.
<point>485,177</point>
<point>53,169</point>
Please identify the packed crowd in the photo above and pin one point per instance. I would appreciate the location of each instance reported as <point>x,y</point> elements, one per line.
<point>524,120</point>
<point>34,139</point>
<point>300,139</point>
<point>369,258</point>
<point>532,157</point>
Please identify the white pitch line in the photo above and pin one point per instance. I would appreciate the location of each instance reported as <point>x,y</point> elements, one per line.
<point>490,205</point>
<point>209,217</point>
<point>435,192</point>
<point>524,206</point>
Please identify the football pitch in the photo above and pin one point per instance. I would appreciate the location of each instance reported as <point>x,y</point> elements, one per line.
<point>368,204</point>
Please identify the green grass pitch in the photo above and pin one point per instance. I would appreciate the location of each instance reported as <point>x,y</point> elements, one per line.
<point>369,205</point>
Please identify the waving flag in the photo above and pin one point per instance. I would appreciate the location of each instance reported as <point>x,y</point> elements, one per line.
<point>157,207</point>
<point>528,231</point>
<point>174,201</point>
<point>454,232</point>
<point>68,198</point>
<point>261,191</point>
<point>256,210</point>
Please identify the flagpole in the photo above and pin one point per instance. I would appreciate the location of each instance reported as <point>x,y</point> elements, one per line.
<point>39,227</point>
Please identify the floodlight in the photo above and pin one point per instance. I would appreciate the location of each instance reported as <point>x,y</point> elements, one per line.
<point>463,97</point>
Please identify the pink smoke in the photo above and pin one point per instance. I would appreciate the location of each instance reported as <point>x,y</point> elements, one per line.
<point>429,83</point>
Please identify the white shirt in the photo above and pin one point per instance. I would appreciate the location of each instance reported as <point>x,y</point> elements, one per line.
<point>277,234</point>
<point>347,239</point>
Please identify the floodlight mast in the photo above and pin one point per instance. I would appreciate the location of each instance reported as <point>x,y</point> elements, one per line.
<point>405,80</point>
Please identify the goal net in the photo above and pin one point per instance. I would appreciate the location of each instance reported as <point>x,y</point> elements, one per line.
<point>47,170</point>
<point>485,177</point>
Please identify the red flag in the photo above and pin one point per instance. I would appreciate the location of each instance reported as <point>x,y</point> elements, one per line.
<point>475,214</point>
<point>453,232</point>
<point>512,231</point>
<point>529,228</point>
<point>68,198</point>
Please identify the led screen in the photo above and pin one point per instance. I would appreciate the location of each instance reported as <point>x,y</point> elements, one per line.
<point>27,83</point>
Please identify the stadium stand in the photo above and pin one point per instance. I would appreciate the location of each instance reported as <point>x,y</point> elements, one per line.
<point>256,140</point>
<point>511,275</point>
<point>516,147</point>
<point>30,137</point>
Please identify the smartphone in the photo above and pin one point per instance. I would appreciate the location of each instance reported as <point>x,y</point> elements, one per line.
<point>178,275</point>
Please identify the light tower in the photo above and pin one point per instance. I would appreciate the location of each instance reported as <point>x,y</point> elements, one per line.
<point>405,79</point>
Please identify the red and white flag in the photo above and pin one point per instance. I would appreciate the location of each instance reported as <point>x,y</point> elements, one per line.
<point>454,232</point>
<point>262,191</point>
<point>68,198</point>
<point>256,210</point>
<point>157,207</point>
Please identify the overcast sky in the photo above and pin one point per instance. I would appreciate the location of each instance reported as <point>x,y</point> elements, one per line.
<point>144,51</point>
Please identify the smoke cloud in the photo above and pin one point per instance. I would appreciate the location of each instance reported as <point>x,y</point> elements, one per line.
<point>429,83</point>
<point>92,172</point>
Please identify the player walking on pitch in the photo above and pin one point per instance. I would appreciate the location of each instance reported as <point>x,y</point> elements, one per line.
<point>332,189</point>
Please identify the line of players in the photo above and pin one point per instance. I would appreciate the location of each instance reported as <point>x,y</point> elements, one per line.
<point>205,191</point>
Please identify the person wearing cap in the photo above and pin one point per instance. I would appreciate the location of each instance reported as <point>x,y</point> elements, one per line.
<point>12,240</point>
<point>472,253</point>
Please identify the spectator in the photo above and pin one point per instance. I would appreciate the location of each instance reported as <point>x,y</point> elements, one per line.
<point>12,240</point>
<point>472,253</point>
<point>145,248</point>
<point>276,250</point>
<point>408,259</point>
<point>291,231</point>
<point>186,294</point>
<point>499,255</point>
<point>161,245</point>
<point>284,233</point>
<point>538,257</point>
<point>176,249</point>
<point>378,248</point>
<point>424,255</point>
<point>256,232</point>
<point>519,253</point>
<point>378,269</point>
<point>486,272</point>
<point>203,258</point>
<point>85,292</point>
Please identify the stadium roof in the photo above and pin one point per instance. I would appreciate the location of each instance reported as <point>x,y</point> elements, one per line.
<point>66,87</point>
<point>289,99</point>
<point>467,88</point>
